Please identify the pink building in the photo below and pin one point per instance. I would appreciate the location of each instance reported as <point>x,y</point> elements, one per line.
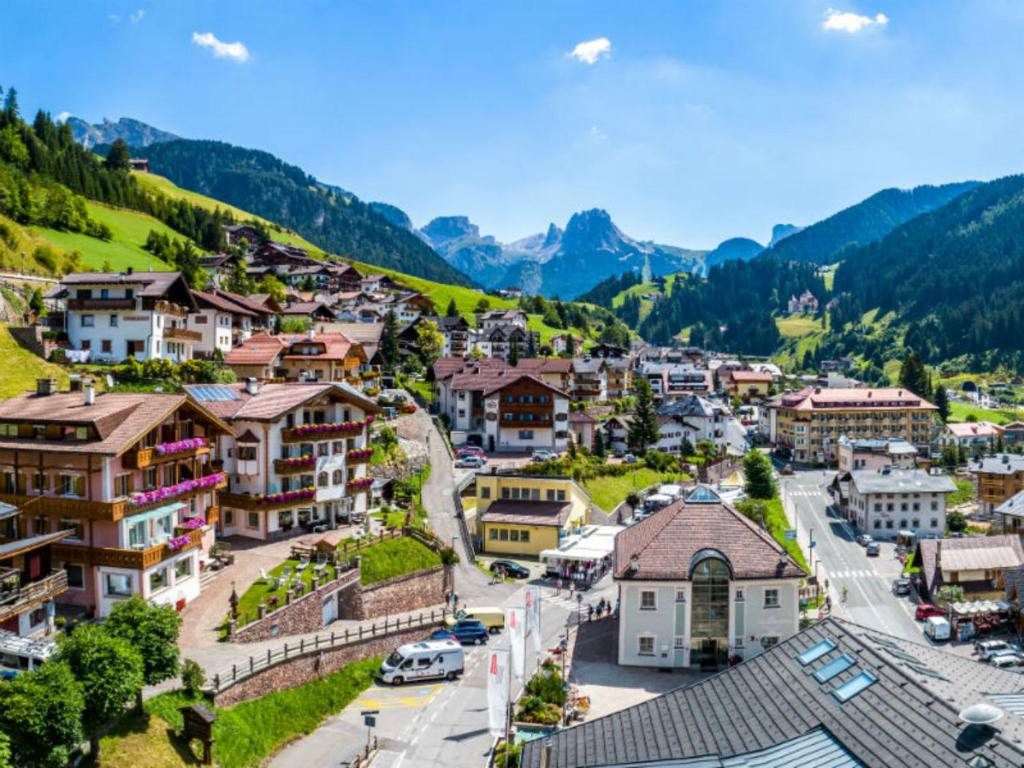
<point>131,475</point>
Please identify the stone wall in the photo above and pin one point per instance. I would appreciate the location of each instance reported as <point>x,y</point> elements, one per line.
<point>303,614</point>
<point>316,664</point>
<point>401,594</point>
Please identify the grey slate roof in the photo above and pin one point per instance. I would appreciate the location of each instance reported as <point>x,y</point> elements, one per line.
<point>908,717</point>
<point>901,481</point>
<point>1013,506</point>
<point>687,406</point>
<point>998,464</point>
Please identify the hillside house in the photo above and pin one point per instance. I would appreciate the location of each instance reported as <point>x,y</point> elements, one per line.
<point>806,303</point>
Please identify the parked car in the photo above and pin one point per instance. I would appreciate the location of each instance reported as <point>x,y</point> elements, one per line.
<point>629,458</point>
<point>864,539</point>
<point>987,648</point>
<point>924,610</point>
<point>491,617</point>
<point>508,568</point>
<point>539,454</point>
<point>1008,651</point>
<point>901,587</point>
<point>442,634</point>
<point>470,631</point>
<point>469,461</point>
<point>1011,659</point>
<point>872,549</point>
<point>786,470</point>
<point>473,450</point>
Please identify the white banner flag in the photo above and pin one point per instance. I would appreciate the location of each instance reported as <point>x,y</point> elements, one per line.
<point>531,600</point>
<point>515,623</point>
<point>497,690</point>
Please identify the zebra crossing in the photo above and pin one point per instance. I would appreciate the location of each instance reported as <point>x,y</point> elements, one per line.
<point>854,574</point>
<point>805,493</point>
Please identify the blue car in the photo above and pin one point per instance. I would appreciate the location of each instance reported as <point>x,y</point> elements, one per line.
<point>442,634</point>
<point>469,631</point>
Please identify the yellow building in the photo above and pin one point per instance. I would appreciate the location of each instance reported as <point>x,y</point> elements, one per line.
<point>525,514</point>
<point>811,421</point>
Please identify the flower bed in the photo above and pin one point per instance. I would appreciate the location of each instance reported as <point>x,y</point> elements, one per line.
<point>170,491</point>
<point>179,446</point>
<point>362,482</point>
<point>334,428</point>
<point>359,455</point>
<point>177,542</point>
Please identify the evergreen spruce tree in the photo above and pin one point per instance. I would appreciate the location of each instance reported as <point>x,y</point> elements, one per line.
<point>599,449</point>
<point>643,431</point>
<point>389,342</point>
<point>118,156</point>
<point>941,400</point>
<point>452,311</point>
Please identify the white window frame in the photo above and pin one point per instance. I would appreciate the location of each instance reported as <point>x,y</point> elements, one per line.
<point>769,592</point>
<point>654,600</point>
<point>640,644</point>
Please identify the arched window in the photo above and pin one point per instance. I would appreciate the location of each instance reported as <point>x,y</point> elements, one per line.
<point>337,477</point>
<point>710,572</point>
<point>321,479</point>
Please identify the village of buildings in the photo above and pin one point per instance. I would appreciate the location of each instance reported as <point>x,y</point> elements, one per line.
<point>526,465</point>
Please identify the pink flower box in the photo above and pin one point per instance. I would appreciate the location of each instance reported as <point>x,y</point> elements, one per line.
<point>336,428</point>
<point>177,542</point>
<point>362,482</point>
<point>362,453</point>
<point>166,449</point>
<point>299,494</point>
<point>170,491</point>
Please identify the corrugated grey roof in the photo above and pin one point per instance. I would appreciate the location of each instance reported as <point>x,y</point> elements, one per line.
<point>908,717</point>
<point>998,464</point>
<point>901,481</point>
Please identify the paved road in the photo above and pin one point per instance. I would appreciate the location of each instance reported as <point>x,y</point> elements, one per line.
<point>868,580</point>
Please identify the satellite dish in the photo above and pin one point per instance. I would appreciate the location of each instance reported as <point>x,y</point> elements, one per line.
<point>981,714</point>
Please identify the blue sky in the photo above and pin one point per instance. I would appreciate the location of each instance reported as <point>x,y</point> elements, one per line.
<point>689,122</point>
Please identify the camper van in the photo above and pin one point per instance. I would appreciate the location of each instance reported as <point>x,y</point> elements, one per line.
<point>421,661</point>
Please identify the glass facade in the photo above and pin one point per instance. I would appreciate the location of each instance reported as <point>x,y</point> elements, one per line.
<point>710,612</point>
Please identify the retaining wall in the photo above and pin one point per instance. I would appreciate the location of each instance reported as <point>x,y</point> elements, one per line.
<point>303,614</point>
<point>401,594</point>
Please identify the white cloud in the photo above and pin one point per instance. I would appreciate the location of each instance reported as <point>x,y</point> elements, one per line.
<point>589,51</point>
<point>136,16</point>
<point>63,116</point>
<point>851,23</point>
<point>221,50</point>
<point>114,18</point>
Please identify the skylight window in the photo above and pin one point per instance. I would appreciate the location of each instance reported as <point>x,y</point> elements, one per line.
<point>833,668</point>
<point>815,652</point>
<point>853,686</point>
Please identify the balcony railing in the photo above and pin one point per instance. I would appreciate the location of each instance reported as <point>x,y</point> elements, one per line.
<point>59,506</point>
<point>166,307</point>
<point>99,303</point>
<point>33,593</point>
<point>191,448</point>
<point>313,432</point>
<point>184,334</point>
<point>145,499</point>
<point>136,559</point>
<point>295,466</point>
<point>282,500</point>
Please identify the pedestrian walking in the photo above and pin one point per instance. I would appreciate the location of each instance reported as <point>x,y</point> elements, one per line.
<point>572,588</point>
<point>590,611</point>
<point>558,586</point>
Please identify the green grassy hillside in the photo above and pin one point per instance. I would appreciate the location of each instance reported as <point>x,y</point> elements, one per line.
<point>22,368</point>
<point>123,250</point>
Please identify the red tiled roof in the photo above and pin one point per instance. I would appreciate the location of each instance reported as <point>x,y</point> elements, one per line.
<point>667,541</point>
<point>820,398</point>
<point>545,364</point>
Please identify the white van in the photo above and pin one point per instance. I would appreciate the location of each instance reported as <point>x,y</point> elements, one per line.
<point>937,628</point>
<point>420,661</point>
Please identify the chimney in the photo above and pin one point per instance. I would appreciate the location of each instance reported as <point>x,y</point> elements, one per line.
<point>45,387</point>
<point>74,382</point>
<point>90,392</point>
<point>252,386</point>
<point>311,334</point>
<point>938,553</point>
<point>129,270</point>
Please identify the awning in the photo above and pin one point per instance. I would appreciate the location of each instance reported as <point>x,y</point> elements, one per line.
<point>7,510</point>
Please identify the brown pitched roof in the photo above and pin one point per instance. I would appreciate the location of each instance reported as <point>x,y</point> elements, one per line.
<point>546,513</point>
<point>275,399</point>
<point>119,418</point>
<point>545,364</point>
<point>512,376</point>
<point>261,349</point>
<point>215,301</point>
<point>667,541</point>
<point>968,553</point>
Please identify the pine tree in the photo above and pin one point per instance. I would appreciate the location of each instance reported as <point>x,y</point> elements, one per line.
<point>118,157</point>
<point>941,400</point>
<point>757,469</point>
<point>452,311</point>
<point>513,354</point>
<point>11,104</point>
<point>914,376</point>
<point>389,342</point>
<point>643,431</point>
<point>599,449</point>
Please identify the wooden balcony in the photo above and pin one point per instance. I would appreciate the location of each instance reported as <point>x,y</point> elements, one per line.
<point>141,458</point>
<point>20,599</point>
<point>256,503</point>
<point>115,557</point>
<point>166,307</point>
<point>296,436</point>
<point>182,334</point>
<point>285,467</point>
<point>212,514</point>
<point>59,506</point>
<point>101,304</point>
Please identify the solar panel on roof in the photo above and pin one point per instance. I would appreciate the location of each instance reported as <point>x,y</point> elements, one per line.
<point>211,393</point>
<point>853,686</point>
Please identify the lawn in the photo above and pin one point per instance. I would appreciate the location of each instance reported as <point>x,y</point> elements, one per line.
<point>419,387</point>
<point>964,493</point>
<point>244,735</point>
<point>959,411</point>
<point>22,368</point>
<point>394,557</point>
<point>130,230</point>
<point>260,591</point>
<point>798,326</point>
<point>607,492</point>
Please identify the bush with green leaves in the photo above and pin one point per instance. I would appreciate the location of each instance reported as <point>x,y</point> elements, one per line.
<point>41,713</point>
<point>760,479</point>
<point>192,677</point>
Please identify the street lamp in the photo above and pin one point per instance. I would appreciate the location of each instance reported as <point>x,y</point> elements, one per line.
<point>579,609</point>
